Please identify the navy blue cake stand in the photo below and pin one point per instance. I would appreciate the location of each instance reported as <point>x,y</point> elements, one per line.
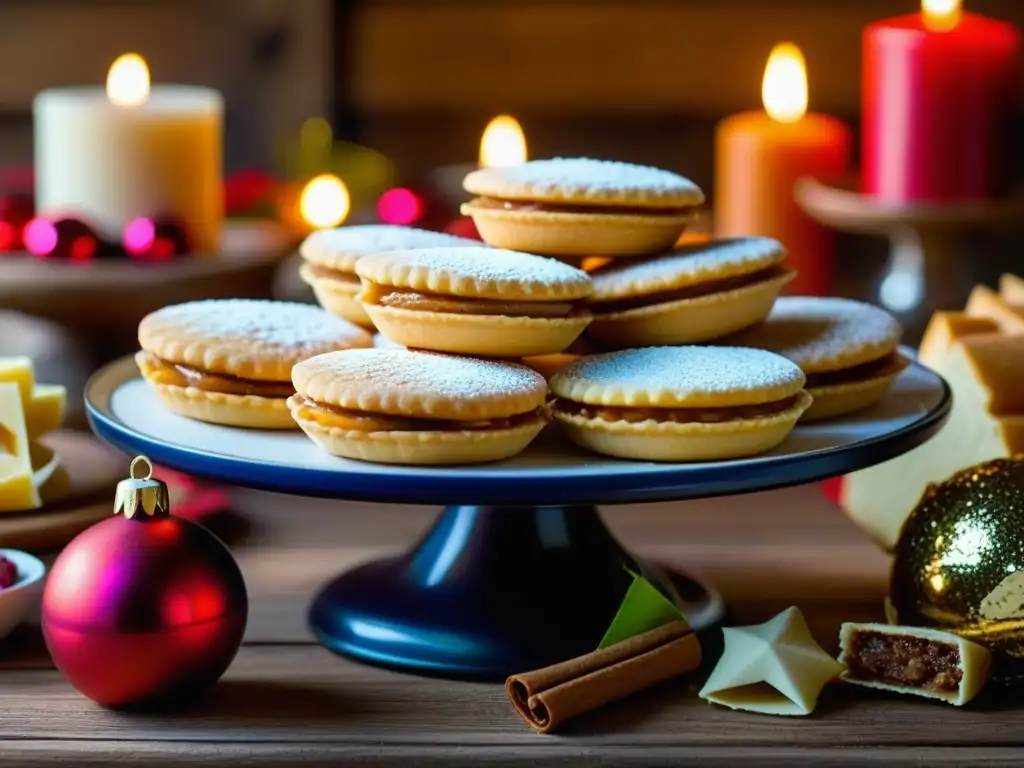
<point>518,571</point>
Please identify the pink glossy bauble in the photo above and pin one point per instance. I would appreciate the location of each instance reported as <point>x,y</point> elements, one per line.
<point>144,612</point>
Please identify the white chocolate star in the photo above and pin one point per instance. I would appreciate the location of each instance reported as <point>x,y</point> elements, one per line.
<point>774,668</point>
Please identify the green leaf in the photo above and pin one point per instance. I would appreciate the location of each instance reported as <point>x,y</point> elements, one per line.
<point>643,608</point>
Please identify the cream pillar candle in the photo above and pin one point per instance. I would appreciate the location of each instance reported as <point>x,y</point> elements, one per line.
<point>109,156</point>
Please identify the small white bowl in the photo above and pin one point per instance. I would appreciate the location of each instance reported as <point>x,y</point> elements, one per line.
<point>18,600</point>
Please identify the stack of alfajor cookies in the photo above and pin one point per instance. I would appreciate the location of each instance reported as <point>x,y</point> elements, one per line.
<point>466,330</point>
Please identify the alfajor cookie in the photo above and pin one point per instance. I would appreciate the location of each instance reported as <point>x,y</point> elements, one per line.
<point>847,349</point>
<point>330,256</point>
<point>477,301</point>
<point>680,403</point>
<point>581,207</point>
<point>230,361</point>
<point>396,406</point>
<point>696,292</point>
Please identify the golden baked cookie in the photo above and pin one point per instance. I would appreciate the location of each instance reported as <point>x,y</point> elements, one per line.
<point>395,406</point>
<point>230,361</point>
<point>581,207</point>
<point>330,256</point>
<point>476,301</point>
<point>694,293</point>
<point>847,349</point>
<point>680,403</point>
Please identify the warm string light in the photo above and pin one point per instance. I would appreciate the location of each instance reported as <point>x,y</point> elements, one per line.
<point>940,15</point>
<point>128,81</point>
<point>784,88</point>
<point>503,143</point>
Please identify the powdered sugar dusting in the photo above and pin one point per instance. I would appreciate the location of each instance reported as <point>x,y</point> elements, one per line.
<point>669,375</point>
<point>375,238</point>
<point>687,265</point>
<point>485,272</point>
<point>287,327</point>
<point>380,341</point>
<point>824,333</point>
<point>391,377</point>
<point>593,180</point>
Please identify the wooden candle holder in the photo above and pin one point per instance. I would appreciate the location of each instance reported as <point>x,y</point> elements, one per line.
<point>925,258</point>
<point>114,294</point>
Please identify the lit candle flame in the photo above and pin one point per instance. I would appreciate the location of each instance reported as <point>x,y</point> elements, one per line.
<point>503,143</point>
<point>324,201</point>
<point>784,89</point>
<point>128,81</point>
<point>941,15</point>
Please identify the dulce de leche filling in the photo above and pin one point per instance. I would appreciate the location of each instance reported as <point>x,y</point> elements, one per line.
<point>905,661</point>
<point>326,415</point>
<point>333,274</point>
<point>401,298</point>
<point>537,205</point>
<point>889,365</point>
<point>675,415</point>
<point>689,292</point>
<point>161,371</point>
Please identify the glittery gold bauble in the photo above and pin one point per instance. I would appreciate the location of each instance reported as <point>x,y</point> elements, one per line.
<point>960,561</point>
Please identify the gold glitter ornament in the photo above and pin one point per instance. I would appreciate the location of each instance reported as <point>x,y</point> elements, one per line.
<point>959,561</point>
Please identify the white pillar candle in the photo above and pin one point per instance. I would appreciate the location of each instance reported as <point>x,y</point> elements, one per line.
<point>106,157</point>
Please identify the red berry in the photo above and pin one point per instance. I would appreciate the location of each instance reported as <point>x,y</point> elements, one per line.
<point>155,239</point>
<point>8,573</point>
<point>66,239</point>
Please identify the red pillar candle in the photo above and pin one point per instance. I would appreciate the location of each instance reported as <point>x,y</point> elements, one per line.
<point>759,156</point>
<point>936,96</point>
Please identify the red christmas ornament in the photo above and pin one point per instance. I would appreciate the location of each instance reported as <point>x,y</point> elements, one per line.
<point>155,239</point>
<point>144,609</point>
<point>15,212</point>
<point>66,239</point>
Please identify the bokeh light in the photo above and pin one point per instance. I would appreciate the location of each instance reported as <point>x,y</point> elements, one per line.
<point>400,206</point>
<point>40,237</point>
<point>138,236</point>
<point>324,202</point>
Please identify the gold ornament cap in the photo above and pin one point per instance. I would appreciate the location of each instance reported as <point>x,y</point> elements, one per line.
<point>141,491</point>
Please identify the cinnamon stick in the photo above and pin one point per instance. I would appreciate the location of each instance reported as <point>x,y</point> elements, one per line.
<point>546,698</point>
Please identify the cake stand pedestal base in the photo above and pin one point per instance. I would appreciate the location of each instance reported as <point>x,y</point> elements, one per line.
<point>491,591</point>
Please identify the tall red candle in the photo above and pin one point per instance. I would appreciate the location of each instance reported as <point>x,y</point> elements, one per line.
<point>759,156</point>
<point>936,95</point>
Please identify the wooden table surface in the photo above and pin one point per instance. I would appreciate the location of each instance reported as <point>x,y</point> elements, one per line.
<point>285,701</point>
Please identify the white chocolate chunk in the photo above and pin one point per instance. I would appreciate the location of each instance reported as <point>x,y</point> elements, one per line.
<point>775,668</point>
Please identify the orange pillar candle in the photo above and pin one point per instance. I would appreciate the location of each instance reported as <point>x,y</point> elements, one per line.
<point>760,155</point>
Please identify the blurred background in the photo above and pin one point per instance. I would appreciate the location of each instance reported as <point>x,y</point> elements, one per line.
<point>412,84</point>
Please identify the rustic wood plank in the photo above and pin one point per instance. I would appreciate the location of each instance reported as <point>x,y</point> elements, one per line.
<point>293,704</point>
<point>764,551</point>
<point>93,754</point>
<point>303,694</point>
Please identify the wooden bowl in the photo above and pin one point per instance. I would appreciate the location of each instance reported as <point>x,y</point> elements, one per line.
<point>117,294</point>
